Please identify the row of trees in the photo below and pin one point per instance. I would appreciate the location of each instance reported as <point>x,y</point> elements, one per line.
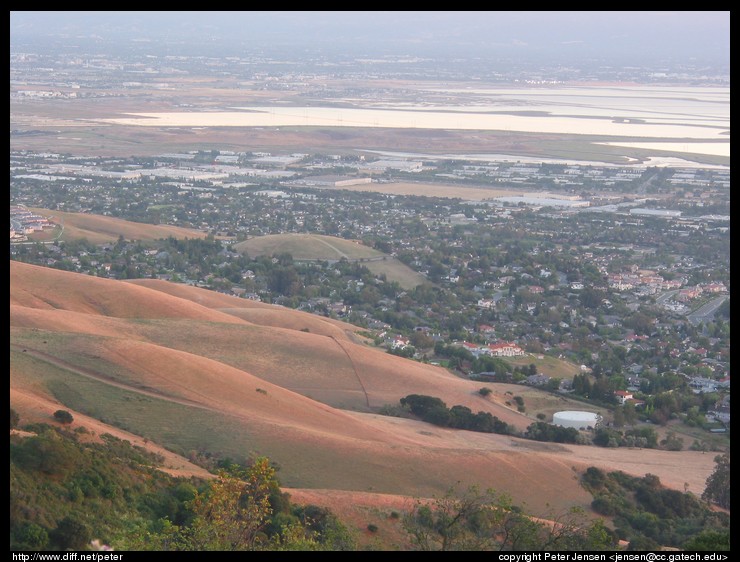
<point>434,410</point>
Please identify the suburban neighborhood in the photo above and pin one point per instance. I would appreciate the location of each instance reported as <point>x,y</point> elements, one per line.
<point>645,301</point>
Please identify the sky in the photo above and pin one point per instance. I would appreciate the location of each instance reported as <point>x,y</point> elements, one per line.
<point>618,36</point>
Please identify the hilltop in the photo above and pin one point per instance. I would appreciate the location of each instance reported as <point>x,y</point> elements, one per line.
<point>308,247</point>
<point>316,247</point>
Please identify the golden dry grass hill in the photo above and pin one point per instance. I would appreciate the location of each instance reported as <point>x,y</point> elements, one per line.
<point>99,229</point>
<point>308,247</point>
<point>198,372</point>
<point>317,247</point>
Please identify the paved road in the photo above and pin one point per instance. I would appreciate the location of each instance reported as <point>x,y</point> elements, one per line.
<point>646,183</point>
<point>706,312</point>
<point>665,296</point>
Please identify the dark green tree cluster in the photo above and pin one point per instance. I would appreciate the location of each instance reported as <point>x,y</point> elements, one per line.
<point>243,509</point>
<point>489,364</point>
<point>643,437</point>
<point>542,431</point>
<point>63,416</point>
<point>649,515</point>
<point>718,483</point>
<point>433,410</point>
<point>442,349</point>
<point>406,351</point>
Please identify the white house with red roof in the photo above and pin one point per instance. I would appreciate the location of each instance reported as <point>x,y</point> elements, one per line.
<point>505,349</point>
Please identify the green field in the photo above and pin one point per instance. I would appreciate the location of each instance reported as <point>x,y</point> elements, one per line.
<point>177,427</point>
<point>547,365</point>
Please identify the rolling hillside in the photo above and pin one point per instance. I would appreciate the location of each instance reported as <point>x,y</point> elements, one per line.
<point>315,247</point>
<point>307,247</point>
<point>200,372</point>
<point>99,229</point>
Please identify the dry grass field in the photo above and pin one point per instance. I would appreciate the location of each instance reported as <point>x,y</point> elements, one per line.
<point>180,367</point>
<point>308,247</point>
<point>99,229</point>
<point>435,190</point>
<point>396,270</point>
<point>319,247</point>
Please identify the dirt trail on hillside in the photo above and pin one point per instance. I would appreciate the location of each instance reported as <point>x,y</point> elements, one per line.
<point>55,361</point>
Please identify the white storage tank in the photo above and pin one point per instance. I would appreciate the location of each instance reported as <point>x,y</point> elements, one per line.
<point>576,419</point>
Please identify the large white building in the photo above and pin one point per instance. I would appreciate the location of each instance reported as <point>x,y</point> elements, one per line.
<point>400,165</point>
<point>505,350</point>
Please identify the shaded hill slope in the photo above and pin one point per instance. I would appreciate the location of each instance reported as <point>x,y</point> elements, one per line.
<point>199,380</point>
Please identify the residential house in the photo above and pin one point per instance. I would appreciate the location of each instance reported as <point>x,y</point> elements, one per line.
<point>505,350</point>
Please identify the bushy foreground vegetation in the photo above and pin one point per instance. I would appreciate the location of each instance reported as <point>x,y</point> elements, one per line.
<point>483,520</point>
<point>66,492</point>
<point>71,492</point>
<point>649,515</point>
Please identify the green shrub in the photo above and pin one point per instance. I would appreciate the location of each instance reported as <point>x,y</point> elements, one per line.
<point>71,533</point>
<point>31,536</point>
<point>603,506</point>
<point>63,416</point>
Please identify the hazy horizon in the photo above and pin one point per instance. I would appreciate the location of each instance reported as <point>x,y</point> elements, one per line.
<point>613,37</point>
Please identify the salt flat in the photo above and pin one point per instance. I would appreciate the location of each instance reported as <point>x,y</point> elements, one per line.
<point>644,112</point>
